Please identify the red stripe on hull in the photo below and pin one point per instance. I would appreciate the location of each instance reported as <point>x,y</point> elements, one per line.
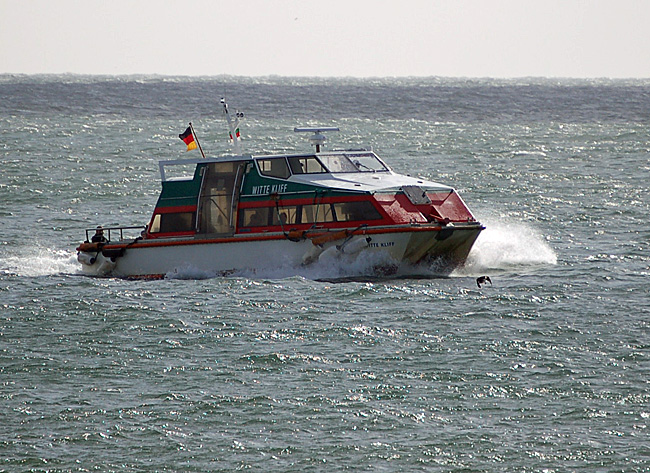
<point>303,201</point>
<point>237,239</point>
<point>175,209</point>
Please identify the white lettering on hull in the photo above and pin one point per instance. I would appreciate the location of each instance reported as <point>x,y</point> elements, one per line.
<point>384,244</point>
<point>269,189</point>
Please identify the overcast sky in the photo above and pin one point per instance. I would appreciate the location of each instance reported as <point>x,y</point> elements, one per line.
<point>360,38</point>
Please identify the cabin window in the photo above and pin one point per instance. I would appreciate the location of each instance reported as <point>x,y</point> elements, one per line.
<point>256,217</point>
<point>173,222</point>
<point>352,162</point>
<point>284,216</point>
<point>276,167</point>
<point>155,224</point>
<point>264,216</point>
<point>306,165</point>
<point>366,162</point>
<point>338,163</point>
<point>308,213</point>
<point>317,213</point>
<point>356,211</point>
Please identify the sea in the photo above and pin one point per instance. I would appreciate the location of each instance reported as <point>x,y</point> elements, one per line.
<point>331,368</point>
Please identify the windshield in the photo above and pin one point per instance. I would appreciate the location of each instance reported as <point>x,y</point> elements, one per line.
<point>352,162</point>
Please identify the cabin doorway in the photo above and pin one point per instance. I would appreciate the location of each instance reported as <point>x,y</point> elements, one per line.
<point>218,198</point>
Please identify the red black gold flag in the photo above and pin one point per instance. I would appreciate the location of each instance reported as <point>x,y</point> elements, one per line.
<point>188,138</point>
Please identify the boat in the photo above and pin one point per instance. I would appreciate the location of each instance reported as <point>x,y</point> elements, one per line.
<point>243,212</point>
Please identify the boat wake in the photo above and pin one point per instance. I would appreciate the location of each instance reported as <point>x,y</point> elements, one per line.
<point>501,247</point>
<point>375,264</point>
<point>505,246</point>
<point>34,262</point>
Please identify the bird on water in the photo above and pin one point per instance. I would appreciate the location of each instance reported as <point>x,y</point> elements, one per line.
<point>483,280</point>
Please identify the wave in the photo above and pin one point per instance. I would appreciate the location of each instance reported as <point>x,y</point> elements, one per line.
<point>508,245</point>
<point>334,267</point>
<point>34,262</point>
<point>501,246</point>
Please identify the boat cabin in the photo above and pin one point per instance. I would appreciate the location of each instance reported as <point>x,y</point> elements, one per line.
<point>254,194</point>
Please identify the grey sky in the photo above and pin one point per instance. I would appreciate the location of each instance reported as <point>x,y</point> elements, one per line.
<point>361,38</point>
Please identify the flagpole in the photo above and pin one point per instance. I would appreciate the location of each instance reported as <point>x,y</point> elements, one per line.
<point>197,140</point>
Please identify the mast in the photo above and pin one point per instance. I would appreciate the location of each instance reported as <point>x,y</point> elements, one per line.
<point>317,139</point>
<point>233,127</point>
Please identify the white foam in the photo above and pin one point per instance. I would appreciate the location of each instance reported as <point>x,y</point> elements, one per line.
<point>502,245</point>
<point>35,261</point>
<point>507,244</point>
<point>332,267</point>
<point>190,272</point>
<point>336,266</point>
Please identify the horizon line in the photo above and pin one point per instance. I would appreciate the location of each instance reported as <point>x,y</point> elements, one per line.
<point>361,78</point>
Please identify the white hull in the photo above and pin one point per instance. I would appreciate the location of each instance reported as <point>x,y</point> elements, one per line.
<point>160,258</point>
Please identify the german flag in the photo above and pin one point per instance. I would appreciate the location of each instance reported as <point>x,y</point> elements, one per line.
<point>188,138</point>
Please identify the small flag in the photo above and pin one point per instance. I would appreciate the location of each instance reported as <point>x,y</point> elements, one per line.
<point>188,138</point>
<point>237,134</point>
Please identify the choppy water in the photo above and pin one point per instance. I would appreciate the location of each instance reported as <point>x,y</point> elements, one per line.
<point>546,370</point>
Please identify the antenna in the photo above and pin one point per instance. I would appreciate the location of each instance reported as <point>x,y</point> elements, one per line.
<point>317,139</point>
<point>233,126</point>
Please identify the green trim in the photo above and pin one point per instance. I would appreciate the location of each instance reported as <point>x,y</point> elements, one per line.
<point>310,193</point>
<point>259,188</point>
<point>179,193</point>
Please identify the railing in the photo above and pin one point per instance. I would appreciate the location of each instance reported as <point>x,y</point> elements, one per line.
<point>113,231</point>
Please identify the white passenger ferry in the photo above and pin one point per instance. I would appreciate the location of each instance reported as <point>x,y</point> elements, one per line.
<point>245,212</point>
